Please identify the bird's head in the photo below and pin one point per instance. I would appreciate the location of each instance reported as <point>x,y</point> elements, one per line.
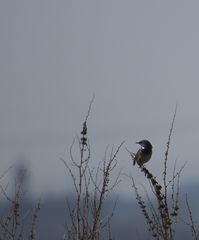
<point>145,144</point>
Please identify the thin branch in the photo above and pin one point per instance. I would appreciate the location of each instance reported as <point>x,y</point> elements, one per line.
<point>191,224</point>
<point>167,150</point>
<point>71,174</point>
<point>5,172</point>
<point>89,109</point>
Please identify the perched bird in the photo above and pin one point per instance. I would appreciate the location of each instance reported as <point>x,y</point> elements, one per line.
<point>143,155</point>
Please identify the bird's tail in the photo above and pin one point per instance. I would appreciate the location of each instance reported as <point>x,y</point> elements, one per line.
<point>133,157</point>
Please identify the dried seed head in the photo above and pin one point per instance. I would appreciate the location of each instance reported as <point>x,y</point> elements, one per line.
<point>158,187</point>
<point>149,176</point>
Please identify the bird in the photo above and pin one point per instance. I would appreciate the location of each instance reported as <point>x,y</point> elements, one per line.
<point>143,155</point>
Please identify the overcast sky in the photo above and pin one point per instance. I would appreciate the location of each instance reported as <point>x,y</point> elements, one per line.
<point>137,57</point>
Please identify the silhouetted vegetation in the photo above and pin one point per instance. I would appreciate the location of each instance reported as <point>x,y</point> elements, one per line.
<point>162,217</point>
<point>86,218</point>
<point>17,222</point>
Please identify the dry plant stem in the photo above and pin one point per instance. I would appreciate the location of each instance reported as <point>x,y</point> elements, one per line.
<point>12,226</point>
<point>155,217</point>
<point>12,222</point>
<point>106,174</point>
<point>152,226</point>
<point>162,209</point>
<point>5,172</point>
<point>195,233</point>
<point>34,220</point>
<point>162,226</point>
<point>167,152</point>
<point>165,168</point>
<point>83,144</point>
<point>82,227</point>
<point>175,195</point>
<point>91,188</point>
<point>162,220</point>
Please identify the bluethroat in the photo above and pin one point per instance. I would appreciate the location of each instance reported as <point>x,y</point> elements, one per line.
<point>143,155</point>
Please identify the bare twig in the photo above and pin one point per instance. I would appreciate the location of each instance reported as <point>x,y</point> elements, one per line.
<point>162,219</point>
<point>91,189</point>
<point>167,150</point>
<point>191,224</point>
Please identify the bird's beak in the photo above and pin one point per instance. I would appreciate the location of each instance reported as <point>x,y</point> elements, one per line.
<point>138,142</point>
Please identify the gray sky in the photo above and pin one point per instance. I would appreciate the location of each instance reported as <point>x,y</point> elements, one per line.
<point>137,57</point>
